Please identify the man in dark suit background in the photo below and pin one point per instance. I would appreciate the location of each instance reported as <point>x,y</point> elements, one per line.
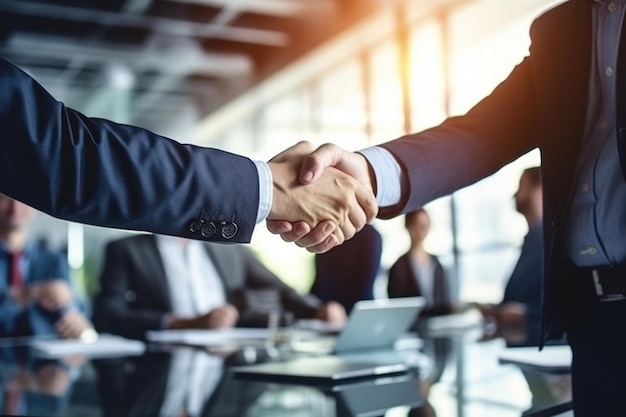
<point>567,98</point>
<point>152,282</point>
<point>521,302</point>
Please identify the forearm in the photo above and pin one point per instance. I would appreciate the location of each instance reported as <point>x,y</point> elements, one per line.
<point>462,150</point>
<point>127,323</point>
<point>99,172</point>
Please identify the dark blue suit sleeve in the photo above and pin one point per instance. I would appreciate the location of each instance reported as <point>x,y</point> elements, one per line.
<point>465,149</point>
<point>99,172</point>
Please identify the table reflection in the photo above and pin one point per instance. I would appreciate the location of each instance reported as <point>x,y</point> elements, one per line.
<point>455,373</point>
<point>181,382</point>
<point>35,386</point>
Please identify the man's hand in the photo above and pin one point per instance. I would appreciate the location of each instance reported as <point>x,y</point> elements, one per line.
<point>20,295</point>
<point>332,312</point>
<point>511,314</point>
<point>52,295</point>
<point>329,155</point>
<point>313,166</point>
<point>487,310</point>
<point>333,200</point>
<point>222,317</point>
<point>72,324</point>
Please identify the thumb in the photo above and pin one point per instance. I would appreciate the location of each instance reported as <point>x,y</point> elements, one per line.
<point>327,155</point>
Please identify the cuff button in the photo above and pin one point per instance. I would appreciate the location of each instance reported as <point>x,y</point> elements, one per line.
<point>208,230</point>
<point>196,226</point>
<point>229,230</point>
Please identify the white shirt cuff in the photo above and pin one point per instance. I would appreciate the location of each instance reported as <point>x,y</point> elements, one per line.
<point>388,175</point>
<point>265,190</point>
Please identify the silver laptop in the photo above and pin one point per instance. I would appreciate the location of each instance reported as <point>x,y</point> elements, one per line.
<point>372,325</point>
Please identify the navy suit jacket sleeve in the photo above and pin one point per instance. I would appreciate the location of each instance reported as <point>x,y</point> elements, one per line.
<point>99,172</point>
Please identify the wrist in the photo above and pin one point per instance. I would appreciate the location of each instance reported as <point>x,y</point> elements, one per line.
<point>277,210</point>
<point>371,181</point>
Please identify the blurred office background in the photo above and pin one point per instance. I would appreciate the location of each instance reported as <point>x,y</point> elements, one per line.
<point>255,76</point>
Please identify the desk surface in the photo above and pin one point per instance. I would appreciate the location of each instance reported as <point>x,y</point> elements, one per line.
<point>457,375</point>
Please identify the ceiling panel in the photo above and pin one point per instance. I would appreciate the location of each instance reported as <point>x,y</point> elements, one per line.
<point>149,57</point>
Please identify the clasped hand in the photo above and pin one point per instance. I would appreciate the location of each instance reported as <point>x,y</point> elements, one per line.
<point>319,201</point>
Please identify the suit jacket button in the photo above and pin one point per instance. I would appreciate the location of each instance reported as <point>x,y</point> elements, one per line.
<point>130,296</point>
<point>196,225</point>
<point>208,229</point>
<point>229,230</point>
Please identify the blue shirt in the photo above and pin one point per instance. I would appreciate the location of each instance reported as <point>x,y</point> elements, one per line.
<point>597,220</point>
<point>37,265</point>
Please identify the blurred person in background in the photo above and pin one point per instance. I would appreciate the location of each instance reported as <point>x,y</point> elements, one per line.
<point>36,294</point>
<point>419,273</point>
<point>153,282</point>
<point>521,304</point>
<point>346,273</point>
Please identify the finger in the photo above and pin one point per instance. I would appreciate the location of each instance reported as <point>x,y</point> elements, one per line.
<point>348,231</point>
<point>329,243</point>
<point>316,236</point>
<point>231,318</point>
<point>278,227</point>
<point>367,201</point>
<point>340,233</point>
<point>356,218</point>
<point>323,157</point>
<point>300,229</point>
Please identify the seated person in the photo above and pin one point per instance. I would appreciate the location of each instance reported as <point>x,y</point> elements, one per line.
<point>521,304</point>
<point>346,273</point>
<point>152,282</point>
<point>36,296</point>
<point>419,273</point>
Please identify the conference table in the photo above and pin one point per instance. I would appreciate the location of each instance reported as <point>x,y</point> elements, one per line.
<point>453,373</point>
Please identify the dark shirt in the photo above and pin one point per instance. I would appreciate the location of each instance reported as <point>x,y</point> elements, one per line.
<point>346,273</point>
<point>525,283</point>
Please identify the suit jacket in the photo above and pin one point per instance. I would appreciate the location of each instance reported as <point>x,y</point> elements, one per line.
<point>19,319</point>
<point>98,172</point>
<point>346,273</point>
<point>134,297</point>
<point>402,282</point>
<point>541,104</point>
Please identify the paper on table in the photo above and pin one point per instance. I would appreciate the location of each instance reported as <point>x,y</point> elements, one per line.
<point>550,359</point>
<point>464,320</point>
<point>104,346</point>
<point>207,337</point>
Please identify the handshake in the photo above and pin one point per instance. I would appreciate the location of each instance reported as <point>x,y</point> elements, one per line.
<point>321,197</point>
